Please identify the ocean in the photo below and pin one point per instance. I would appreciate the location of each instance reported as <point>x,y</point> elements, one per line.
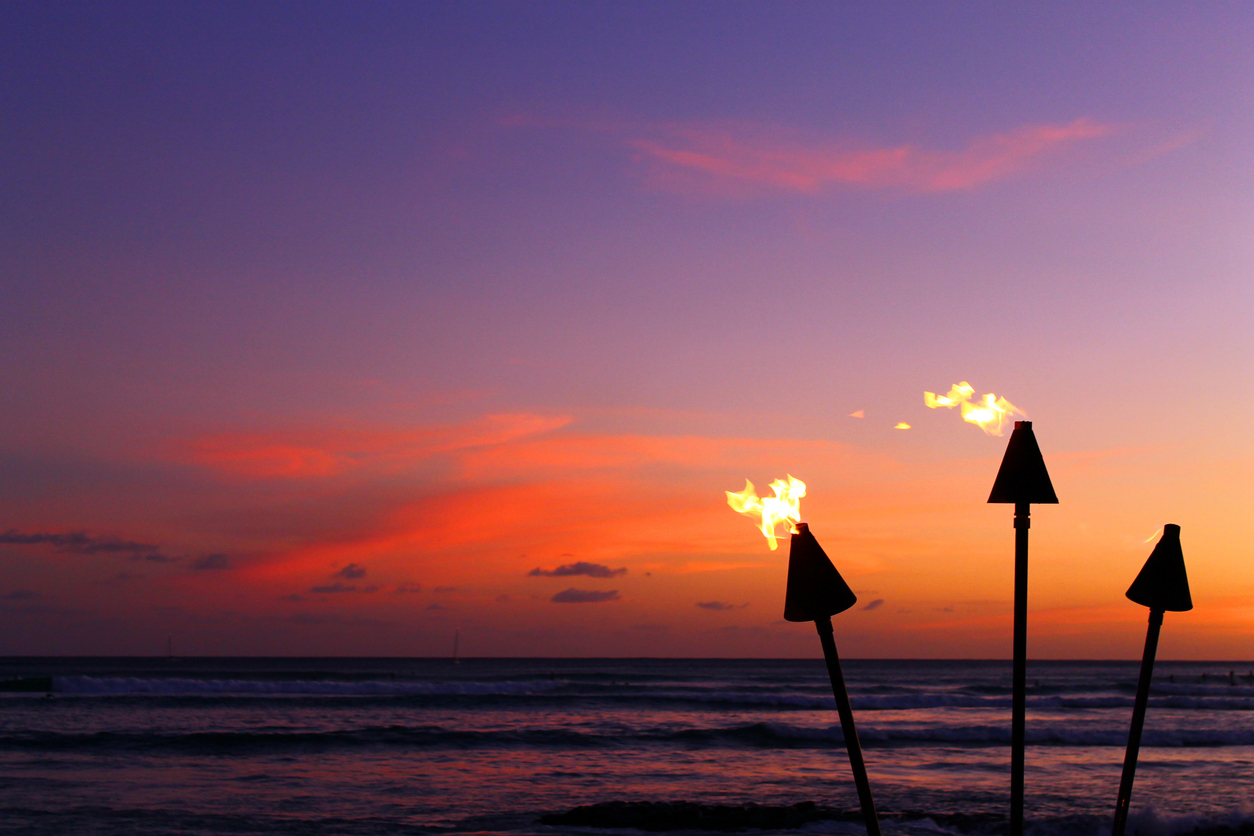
<point>417,746</point>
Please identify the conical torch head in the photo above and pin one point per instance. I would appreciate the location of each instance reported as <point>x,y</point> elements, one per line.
<point>1023,477</point>
<point>1163,583</point>
<point>815,589</point>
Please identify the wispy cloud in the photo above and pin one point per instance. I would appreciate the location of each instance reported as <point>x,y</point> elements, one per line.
<point>874,605</point>
<point>584,596</point>
<point>720,605</point>
<point>312,453</point>
<point>79,542</point>
<point>498,502</point>
<point>591,570</point>
<point>336,588</point>
<point>741,159</point>
<point>210,562</point>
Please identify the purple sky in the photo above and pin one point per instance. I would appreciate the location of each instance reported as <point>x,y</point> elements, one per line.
<point>303,285</point>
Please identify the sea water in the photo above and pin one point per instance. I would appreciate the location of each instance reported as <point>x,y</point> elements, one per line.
<point>373,746</point>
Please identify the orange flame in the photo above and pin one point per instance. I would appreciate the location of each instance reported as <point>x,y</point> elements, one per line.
<point>990,413</point>
<point>783,507</point>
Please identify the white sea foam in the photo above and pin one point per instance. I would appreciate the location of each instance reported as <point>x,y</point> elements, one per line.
<point>905,702</point>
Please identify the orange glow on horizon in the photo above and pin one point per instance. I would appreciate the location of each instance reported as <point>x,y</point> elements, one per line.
<point>460,537</point>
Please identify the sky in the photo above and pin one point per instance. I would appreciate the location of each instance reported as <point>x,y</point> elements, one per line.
<point>346,329</point>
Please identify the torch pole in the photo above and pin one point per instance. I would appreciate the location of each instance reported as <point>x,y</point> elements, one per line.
<point>1019,696</point>
<point>1138,721</point>
<point>847,727</point>
<point>1022,480</point>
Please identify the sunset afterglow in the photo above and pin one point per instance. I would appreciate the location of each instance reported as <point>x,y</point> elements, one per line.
<point>348,329</point>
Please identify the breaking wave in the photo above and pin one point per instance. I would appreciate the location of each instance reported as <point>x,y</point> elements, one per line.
<point>750,735</point>
<point>1191,699</point>
<point>90,685</point>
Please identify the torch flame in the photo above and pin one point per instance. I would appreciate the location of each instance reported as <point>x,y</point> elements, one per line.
<point>783,507</point>
<point>990,413</point>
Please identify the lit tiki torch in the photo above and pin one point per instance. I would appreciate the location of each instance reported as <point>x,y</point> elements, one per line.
<point>815,592</point>
<point>1022,480</point>
<point>1162,585</point>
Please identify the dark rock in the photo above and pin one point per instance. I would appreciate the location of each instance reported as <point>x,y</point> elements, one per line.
<point>28,684</point>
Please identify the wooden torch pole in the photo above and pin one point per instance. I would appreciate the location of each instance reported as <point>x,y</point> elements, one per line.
<point>847,727</point>
<point>816,592</point>
<point>1138,722</point>
<point>1019,690</point>
<point>1162,585</point>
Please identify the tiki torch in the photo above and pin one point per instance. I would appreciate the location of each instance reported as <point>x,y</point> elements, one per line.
<point>816,592</point>
<point>1022,480</point>
<point>1161,585</point>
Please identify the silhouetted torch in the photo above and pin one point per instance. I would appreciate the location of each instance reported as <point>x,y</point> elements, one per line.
<point>1022,480</point>
<point>1162,585</point>
<point>816,592</point>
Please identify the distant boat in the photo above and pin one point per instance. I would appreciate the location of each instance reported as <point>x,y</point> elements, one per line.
<point>457,634</point>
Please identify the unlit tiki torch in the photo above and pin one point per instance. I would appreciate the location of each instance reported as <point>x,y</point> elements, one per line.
<point>1162,585</point>
<point>816,592</point>
<point>1022,480</point>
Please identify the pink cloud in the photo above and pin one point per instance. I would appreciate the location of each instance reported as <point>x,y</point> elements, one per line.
<point>527,493</point>
<point>744,159</point>
<point>324,452</point>
<point>505,485</point>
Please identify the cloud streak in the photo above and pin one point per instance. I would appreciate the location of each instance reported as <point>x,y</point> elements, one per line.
<point>720,606</point>
<point>485,511</point>
<point>210,563</point>
<point>321,453</point>
<point>738,160</point>
<point>584,596</point>
<point>591,570</point>
<point>332,589</point>
<point>79,542</point>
